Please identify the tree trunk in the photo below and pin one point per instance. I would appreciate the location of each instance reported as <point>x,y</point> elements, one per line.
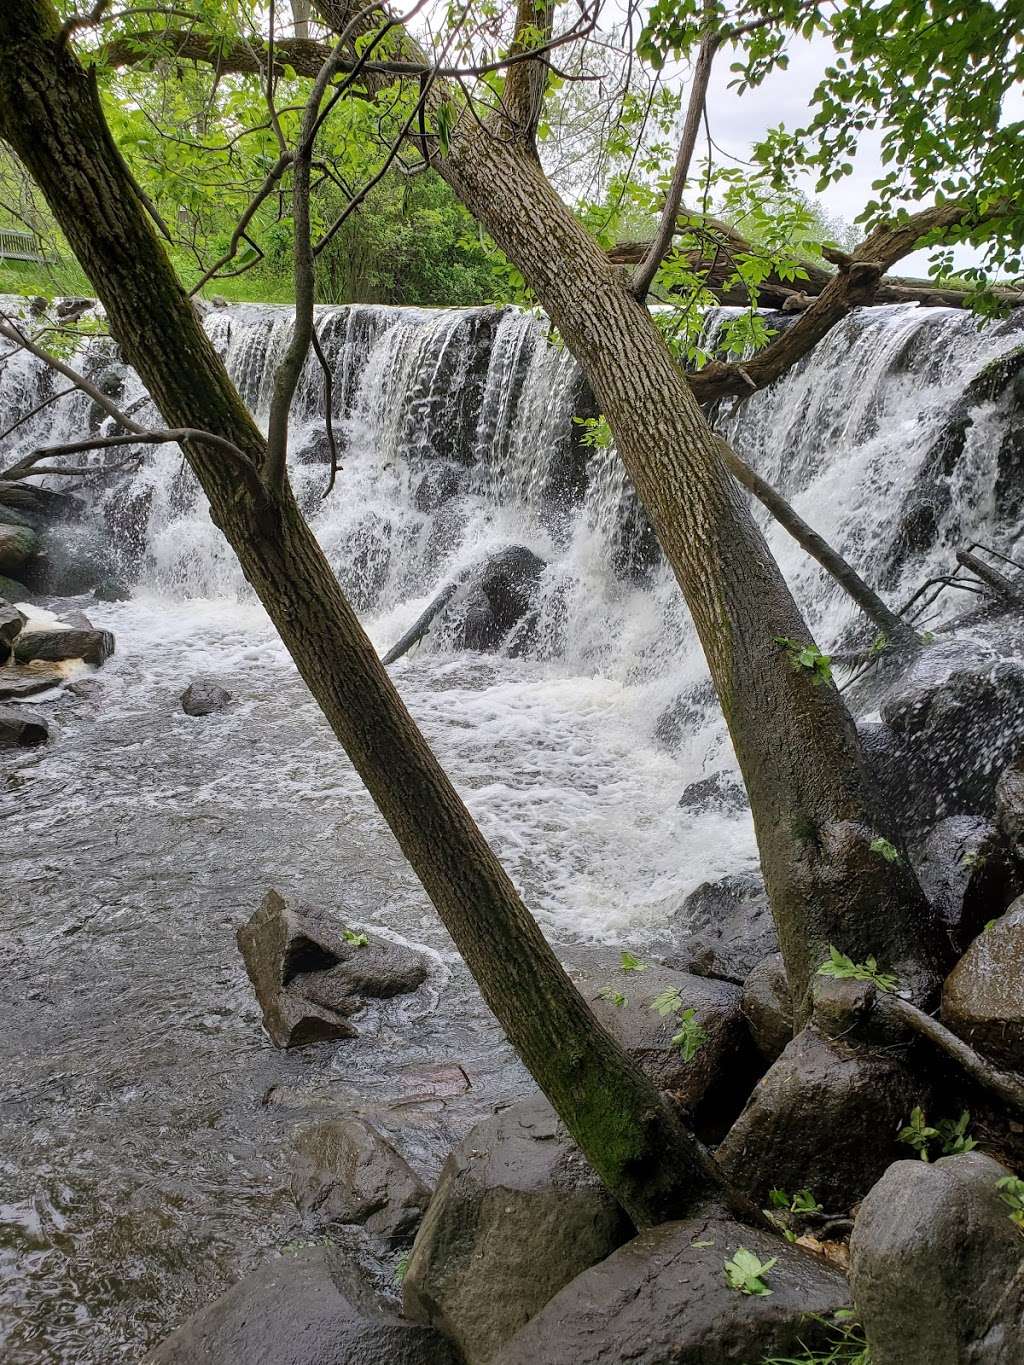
<point>814,807</point>
<point>50,114</point>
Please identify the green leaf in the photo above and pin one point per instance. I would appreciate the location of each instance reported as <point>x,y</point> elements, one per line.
<point>629,962</point>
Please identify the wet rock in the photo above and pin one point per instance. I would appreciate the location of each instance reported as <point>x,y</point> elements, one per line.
<point>40,506</point>
<point>499,595</point>
<point>111,590</point>
<point>14,591</point>
<point>11,622</point>
<point>203,696</point>
<point>73,560</point>
<point>983,998</point>
<point>71,308</point>
<point>53,646</point>
<point>962,717</point>
<point>309,977</point>
<point>714,1083</point>
<point>1010,806</point>
<point>937,1266</point>
<point>720,791</point>
<point>724,928</point>
<point>21,728</point>
<point>343,1171</point>
<point>17,544</point>
<point>904,788</point>
<point>768,1007</point>
<point>968,875</point>
<point>26,680</point>
<point>663,1299</point>
<point>301,1309</point>
<point>824,1117</point>
<point>517,1213</point>
<point>684,714</point>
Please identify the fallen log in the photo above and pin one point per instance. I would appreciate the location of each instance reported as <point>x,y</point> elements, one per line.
<point>422,624</point>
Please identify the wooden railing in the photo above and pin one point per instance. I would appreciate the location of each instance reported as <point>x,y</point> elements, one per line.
<point>16,245</point>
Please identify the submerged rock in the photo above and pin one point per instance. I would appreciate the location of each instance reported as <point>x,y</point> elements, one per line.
<point>344,1172</point>
<point>54,646</point>
<point>517,1213</point>
<point>983,998</point>
<point>663,1299</point>
<point>309,977</point>
<point>937,1266</point>
<point>824,1117</point>
<point>301,1309</point>
<point>21,728</point>
<point>203,696</point>
<point>725,927</point>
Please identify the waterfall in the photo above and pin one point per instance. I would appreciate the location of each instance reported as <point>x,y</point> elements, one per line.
<point>456,437</point>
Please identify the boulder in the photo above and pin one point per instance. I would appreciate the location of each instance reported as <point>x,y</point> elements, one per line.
<point>963,718</point>
<point>300,1309</point>
<point>343,1171</point>
<point>58,644</point>
<point>41,506</point>
<point>663,1299</point>
<point>17,544</point>
<point>73,560</point>
<point>203,696</point>
<point>1010,806</point>
<point>713,1084</point>
<point>111,590</point>
<point>720,791</point>
<point>11,622</point>
<point>983,998</point>
<point>937,1266</point>
<point>14,591</point>
<point>21,727</point>
<point>26,680</point>
<point>517,1214</point>
<point>724,928</point>
<point>968,874</point>
<point>309,977</point>
<point>768,1007</point>
<point>824,1117</point>
<point>499,595</point>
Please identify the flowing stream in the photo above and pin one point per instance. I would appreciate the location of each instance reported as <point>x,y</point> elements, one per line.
<point>144,1119</point>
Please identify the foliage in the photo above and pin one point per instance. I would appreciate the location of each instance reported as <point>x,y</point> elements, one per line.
<point>1011,1191</point>
<point>885,849</point>
<point>746,1271</point>
<point>951,1133</point>
<point>629,962</point>
<point>613,997</point>
<point>356,940</point>
<point>843,968</point>
<point>786,1211</point>
<point>808,657</point>
<point>847,1347</point>
<point>691,1034</point>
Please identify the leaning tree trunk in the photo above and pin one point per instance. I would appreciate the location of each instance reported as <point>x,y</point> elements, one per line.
<point>50,115</point>
<point>815,809</point>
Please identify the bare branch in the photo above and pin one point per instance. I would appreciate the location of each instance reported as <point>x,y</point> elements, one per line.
<point>13,333</point>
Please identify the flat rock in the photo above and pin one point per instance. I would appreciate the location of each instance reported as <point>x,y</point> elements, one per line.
<point>517,1213</point>
<point>983,998</point>
<point>713,1084</point>
<point>300,1309</point>
<point>344,1171</point>
<point>25,680</point>
<point>204,696</point>
<point>937,1266</point>
<point>724,928</point>
<point>53,646</point>
<point>308,977</point>
<point>663,1299</point>
<point>824,1117</point>
<point>21,727</point>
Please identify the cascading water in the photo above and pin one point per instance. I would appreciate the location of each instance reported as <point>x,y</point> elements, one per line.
<point>145,1173</point>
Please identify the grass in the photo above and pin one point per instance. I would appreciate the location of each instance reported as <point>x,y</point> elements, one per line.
<point>64,278</point>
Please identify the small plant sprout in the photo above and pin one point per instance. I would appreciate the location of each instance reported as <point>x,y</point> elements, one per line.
<point>613,997</point>
<point>808,657</point>
<point>951,1134</point>
<point>954,1135</point>
<point>885,849</point>
<point>746,1272</point>
<point>356,940</point>
<point>691,1035</point>
<point>917,1133</point>
<point>784,1210</point>
<point>1011,1191</point>
<point>844,968</point>
<point>629,962</point>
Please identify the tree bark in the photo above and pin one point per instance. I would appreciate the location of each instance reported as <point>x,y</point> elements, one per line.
<point>50,115</point>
